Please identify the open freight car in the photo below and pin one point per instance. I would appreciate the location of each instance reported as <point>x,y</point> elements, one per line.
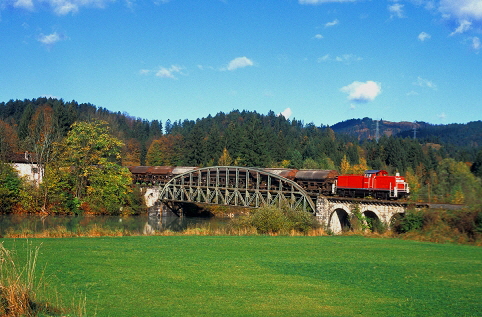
<point>317,181</point>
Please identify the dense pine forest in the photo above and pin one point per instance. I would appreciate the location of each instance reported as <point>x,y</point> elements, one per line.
<point>442,164</point>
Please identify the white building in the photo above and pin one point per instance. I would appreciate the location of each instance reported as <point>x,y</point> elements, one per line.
<point>27,166</point>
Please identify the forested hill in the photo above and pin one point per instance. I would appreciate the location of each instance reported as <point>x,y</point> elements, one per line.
<point>239,137</point>
<point>458,135</point>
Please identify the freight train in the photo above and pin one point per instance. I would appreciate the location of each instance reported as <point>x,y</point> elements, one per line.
<point>373,183</point>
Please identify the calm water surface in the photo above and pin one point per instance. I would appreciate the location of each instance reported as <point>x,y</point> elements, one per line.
<point>136,224</point>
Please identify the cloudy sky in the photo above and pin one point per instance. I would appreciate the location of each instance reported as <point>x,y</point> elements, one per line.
<point>321,61</point>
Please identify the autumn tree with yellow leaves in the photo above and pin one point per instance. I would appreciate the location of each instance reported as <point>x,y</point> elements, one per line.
<point>86,173</point>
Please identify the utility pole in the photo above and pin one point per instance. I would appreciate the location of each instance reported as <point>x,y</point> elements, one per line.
<point>377,132</point>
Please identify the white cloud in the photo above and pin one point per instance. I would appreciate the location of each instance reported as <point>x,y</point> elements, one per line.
<point>65,7</point>
<point>24,4</point>
<point>476,43</point>
<point>323,1</point>
<point>50,39</point>
<point>462,9</point>
<point>464,26</point>
<point>345,58</point>
<point>424,36</point>
<point>144,71</point>
<point>286,113</point>
<point>318,36</point>
<point>348,58</point>
<point>442,116</point>
<point>60,7</point>
<point>396,10</point>
<point>332,23</point>
<point>239,62</point>
<point>324,58</point>
<point>362,91</point>
<point>422,82</point>
<point>168,72</point>
<point>467,14</point>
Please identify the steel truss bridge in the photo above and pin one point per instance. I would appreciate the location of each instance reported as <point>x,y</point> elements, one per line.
<point>234,186</point>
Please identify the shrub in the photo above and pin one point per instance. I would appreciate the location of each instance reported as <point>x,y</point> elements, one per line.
<point>10,186</point>
<point>272,219</point>
<point>269,220</point>
<point>410,221</point>
<point>302,221</point>
<point>358,222</point>
<point>376,225</point>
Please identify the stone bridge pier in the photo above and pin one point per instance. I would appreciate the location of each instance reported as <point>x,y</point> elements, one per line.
<point>151,195</point>
<point>335,213</point>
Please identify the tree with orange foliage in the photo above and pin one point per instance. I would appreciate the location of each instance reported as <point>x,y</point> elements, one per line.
<point>131,153</point>
<point>8,140</point>
<point>163,151</point>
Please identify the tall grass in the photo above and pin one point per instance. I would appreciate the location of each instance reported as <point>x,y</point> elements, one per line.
<point>20,288</point>
<point>18,285</point>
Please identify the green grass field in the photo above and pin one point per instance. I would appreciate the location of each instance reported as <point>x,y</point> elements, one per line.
<point>262,275</point>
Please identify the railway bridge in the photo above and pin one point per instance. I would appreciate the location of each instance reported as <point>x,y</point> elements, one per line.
<point>253,188</point>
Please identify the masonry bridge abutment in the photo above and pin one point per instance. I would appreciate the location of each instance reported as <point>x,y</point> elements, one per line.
<point>336,212</point>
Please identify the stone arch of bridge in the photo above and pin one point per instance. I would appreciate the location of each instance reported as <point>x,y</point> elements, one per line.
<point>372,219</point>
<point>395,217</point>
<point>371,213</point>
<point>339,219</point>
<point>382,212</point>
<point>247,187</point>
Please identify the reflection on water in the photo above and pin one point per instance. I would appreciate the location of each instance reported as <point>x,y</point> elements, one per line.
<point>142,224</point>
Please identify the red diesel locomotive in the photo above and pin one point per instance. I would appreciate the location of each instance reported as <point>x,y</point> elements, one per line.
<point>374,183</point>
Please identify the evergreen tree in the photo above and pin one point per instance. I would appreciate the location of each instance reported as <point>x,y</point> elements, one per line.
<point>476,167</point>
<point>25,121</point>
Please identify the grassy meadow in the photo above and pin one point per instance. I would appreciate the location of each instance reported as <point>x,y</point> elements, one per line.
<point>259,275</point>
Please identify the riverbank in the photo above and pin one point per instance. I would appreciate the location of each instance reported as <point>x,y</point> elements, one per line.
<point>441,226</point>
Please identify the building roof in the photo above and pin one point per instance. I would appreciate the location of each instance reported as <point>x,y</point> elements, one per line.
<point>22,157</point>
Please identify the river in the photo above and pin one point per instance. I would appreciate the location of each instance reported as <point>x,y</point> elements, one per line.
<point>141,224</point>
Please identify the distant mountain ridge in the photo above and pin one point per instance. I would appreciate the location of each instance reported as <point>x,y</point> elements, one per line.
<point>459,134</point>
<point>366,128</point>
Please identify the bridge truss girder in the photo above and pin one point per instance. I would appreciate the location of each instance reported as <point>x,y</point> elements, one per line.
<point>236,186</point>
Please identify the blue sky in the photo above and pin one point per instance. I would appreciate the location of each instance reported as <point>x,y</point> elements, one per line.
<point>320,61</point>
